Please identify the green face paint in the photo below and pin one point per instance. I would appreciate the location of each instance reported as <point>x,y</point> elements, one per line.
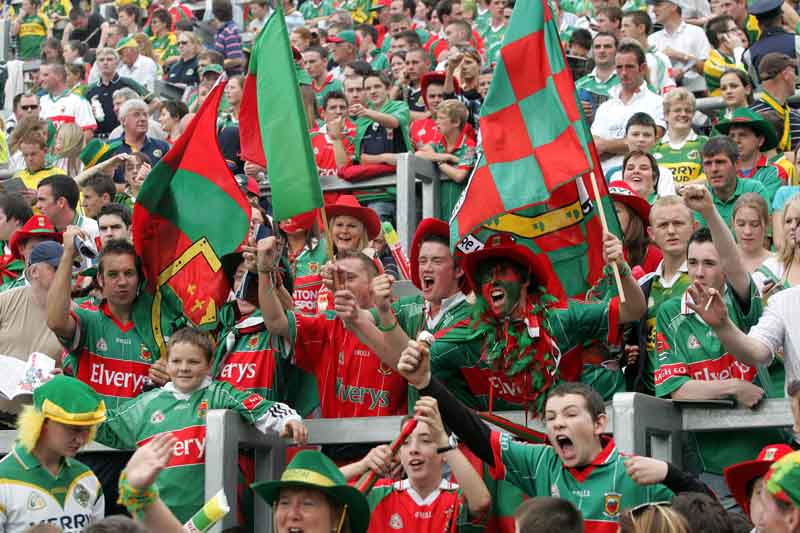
<point>501,286</point>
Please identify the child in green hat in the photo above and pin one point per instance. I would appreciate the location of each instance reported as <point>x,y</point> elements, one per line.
<point>40,481</point>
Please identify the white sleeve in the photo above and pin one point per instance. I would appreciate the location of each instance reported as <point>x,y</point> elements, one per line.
<point>84,116</point>
<point>99,508</point>
<point>703,46</point>
<point>771,327</point>
<point>276,417</point>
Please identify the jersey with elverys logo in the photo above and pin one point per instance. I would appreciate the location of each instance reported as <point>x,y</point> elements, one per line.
<point>108,355</point>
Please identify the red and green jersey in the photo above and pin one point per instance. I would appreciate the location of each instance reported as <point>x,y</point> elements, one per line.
<point>251,360</point>
<point>352,381</point>
<point>492,36</point>
<point>329,84</point>
<point>689,350</point>
<point>324,154</point>
<point>166,410</point>
<point>600,490</point>
<point>449,190</point>
<point>306,268</point>
<point>456,354</point>
<point>424,131</point>
<point>108,355</point>
<point>685,162</point>
<point>396,505</point>
<point>661,290</point>
<point>771,176</point>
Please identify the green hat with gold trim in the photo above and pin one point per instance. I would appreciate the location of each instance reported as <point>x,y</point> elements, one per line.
<point>313,470</point>
<point>97,151</point>
<point>783,479</point>
<point>126,42</point>
<point>744,116</point>
<point>65,400</point>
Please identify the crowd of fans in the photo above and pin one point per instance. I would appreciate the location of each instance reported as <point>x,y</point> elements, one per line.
<point>706,197</point>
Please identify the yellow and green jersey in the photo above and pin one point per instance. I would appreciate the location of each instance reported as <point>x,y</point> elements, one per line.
<point>31,36</point>
<point>685,162</point>
<point>30,494</point>
<point>714,66</point>
<point>165,47</point>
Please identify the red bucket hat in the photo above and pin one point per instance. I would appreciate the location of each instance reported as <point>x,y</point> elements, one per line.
<point>620,191</point>
<point>739,475</point>
<point>303,221</point>
<point>435,76</point>
<point>503,246</point>
<point>36,226</point>
<point>429,226</point>
<point>348,205</point>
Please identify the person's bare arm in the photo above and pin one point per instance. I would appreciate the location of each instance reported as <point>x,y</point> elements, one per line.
<point>59,319</point>
<point>610,146</point>
<point>271,309</point>
<point>339,151</point>
<point>747,394</point>
<point>698,198</point>
<point>635,304</point>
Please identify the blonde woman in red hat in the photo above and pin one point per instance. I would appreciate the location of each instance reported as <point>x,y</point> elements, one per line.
<point>633,213</point>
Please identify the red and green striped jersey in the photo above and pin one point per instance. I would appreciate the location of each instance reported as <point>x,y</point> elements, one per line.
<point>600,490</point>
<point>166,410</point>
<point>351,380</point>
<point>251,360</point>
<point>396,505</point>
<point>688,350</point>
<point>108,355</point>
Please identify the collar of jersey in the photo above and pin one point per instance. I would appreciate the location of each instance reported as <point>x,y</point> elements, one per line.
<point>405,485</point>
<point>170,387</point>
<point>29,461</point>
<point>106,310</point>
<point>605,456</point>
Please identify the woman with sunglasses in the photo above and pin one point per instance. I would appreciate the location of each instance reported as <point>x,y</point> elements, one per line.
<point>653,517</point>
<point>183,72</point>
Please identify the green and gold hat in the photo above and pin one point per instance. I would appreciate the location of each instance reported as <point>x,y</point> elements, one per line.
<point>127,42</point>
<point>69,401</point>
<point>62,399</point>
<point>783,479</point>
<point>313,470</point>
<point>744,116</point>
<point>97,151</point>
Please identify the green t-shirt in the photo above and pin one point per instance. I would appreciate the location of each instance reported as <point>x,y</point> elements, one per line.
<point>182,483</point>
<point>591,83</point>
<point>766,173</point>
<point>688,349</point>
<point>30,494</point>
<point>600,491</point>
<point>685,162</point>
<point>310,10</point>
<point>725,207</point>
<point>449,190</point>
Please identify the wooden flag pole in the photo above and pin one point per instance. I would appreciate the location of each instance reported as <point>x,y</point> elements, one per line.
<point>602,211</point>
<point>327,231</point>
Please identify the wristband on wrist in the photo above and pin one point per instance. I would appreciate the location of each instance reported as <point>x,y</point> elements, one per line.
<point>387,329</point>
<point>135,500</point>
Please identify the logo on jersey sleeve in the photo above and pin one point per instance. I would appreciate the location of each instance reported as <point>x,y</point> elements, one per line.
<point>252,401</point>
<point>395,521</point>
<point>612,504</point>
<point>81,495</point>
<point>36,502</point>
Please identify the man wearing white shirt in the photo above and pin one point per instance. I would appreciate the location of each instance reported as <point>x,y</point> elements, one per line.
<point>136,66</point>
<point>59,105</point>
<point>629,97</point>
<point>686,45</point>
<point>637,25</point>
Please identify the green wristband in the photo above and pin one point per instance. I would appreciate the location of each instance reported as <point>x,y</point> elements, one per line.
<point>135,500</point>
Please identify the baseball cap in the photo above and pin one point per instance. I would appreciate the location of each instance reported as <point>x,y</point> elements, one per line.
<point>212,67</point>
<point>773,64</point>
<point>344,36</point>
<point>46,252</point>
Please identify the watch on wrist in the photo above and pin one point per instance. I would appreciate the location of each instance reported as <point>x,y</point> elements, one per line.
<point>452,444</point>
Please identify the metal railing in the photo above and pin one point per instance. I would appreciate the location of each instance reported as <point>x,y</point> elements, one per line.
<point>640,424</point>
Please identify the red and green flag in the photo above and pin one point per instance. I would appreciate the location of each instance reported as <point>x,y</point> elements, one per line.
<point>189,215</point>
<point>273,125</point>
<point>534,138</point>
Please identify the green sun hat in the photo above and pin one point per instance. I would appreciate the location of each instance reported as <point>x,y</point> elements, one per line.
<point>313,470</point>
<point>97,151</point>
<point>783,479</point>
<point>69,401</point>
<point>745,116</point>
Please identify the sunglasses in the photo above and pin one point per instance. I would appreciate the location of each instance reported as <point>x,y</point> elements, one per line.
<point>181,43</point>
<point>635,512</point>
<point>28,107</point>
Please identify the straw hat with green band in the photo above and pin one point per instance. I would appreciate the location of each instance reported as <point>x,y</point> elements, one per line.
<point>313,470</point>
<point>97,151</point>
<point>747,117</point>
<point>783,479</point>
<point>127,42</point>
<point>65,400</point>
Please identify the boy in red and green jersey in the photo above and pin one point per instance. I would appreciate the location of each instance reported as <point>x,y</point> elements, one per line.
<point>180,407</point>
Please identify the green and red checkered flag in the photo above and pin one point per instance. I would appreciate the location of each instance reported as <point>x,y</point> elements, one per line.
<point>534,138</point>
<point>189,215</point>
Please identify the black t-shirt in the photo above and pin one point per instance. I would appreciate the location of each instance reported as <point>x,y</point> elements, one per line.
<point>415,101</point>
<point>184,72</point>
<point>91,34</point>
<point>105,94</point>
<point>380,140</point>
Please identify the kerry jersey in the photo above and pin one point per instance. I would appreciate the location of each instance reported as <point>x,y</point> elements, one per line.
<point>108,355</point>
<point>163,410</point>
<point>31,495</point>
<point>685,162</point>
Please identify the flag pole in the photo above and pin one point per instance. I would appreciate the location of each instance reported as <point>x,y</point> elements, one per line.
<point>599,201</point>
<point>327,231</point>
